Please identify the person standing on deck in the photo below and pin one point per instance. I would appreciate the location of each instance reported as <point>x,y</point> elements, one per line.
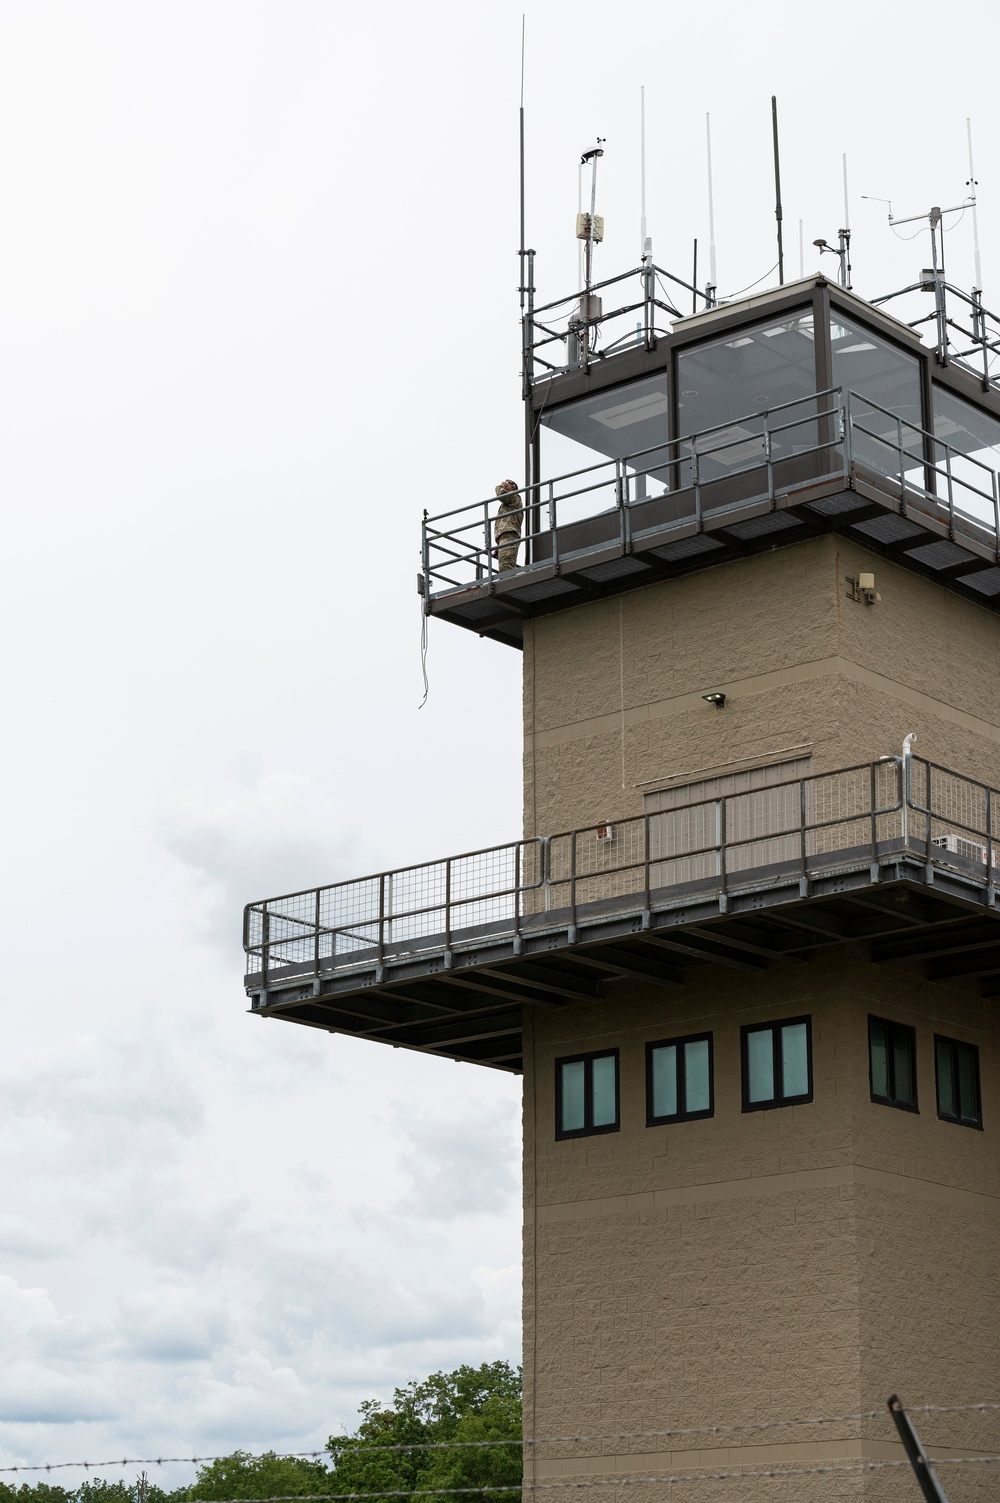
<point>507,527</point>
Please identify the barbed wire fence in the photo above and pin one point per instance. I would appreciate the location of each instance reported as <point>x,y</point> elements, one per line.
<point>695,1474</point>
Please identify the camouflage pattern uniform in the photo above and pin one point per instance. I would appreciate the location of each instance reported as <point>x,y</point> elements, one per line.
<point>507,527</point>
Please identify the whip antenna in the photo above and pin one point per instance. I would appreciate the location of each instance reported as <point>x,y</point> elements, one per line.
<point>711,210</point>
<point>777,189</point>
<point>975,221</point>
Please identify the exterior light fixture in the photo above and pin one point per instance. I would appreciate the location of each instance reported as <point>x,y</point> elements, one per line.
<point>718,700</point>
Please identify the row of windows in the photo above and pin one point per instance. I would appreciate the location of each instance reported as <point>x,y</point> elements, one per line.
<point>776,1071</point>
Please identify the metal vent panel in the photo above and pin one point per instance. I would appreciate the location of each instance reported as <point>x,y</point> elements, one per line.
<point>940,555</point>
<point>987,581</point>
<point>755,527</point>
<point>888,529</point>
<point>544,591</point>
<point>686,548</point>
<point>476,610</point>
<point>832,506</point>
<point>617,568</point>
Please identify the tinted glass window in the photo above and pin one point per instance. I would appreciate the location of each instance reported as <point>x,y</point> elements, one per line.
<point>738,377</point>
<point>968,451</point>
<point>872,368</point>
<point>679,1079</point>
<point>572,1096</point>
<point>777,1064</point>
<point>587,1094</point>
<point>892,1051</point>
<point>625,421</point>
<point>957,1070</point>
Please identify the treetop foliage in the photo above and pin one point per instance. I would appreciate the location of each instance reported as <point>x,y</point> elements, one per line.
<point>469,1404</point>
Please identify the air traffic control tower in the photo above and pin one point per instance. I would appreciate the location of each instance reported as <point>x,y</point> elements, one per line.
<point>746,952</point>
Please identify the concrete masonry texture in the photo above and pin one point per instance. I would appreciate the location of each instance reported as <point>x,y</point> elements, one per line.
<point>803,1261</point>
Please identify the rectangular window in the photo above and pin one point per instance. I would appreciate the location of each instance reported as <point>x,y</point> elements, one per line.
<point>957,1069</point>
<point>587,1094</point>
<point>892,1060</point>
<point>777,1064</point>
<point>679,1079</point>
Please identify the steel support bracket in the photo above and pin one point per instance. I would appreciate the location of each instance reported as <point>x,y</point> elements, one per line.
<point>571,935</point>
<point>448,960</point>
<point>647,919</point>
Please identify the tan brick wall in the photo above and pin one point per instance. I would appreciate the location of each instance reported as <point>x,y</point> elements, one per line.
<point>753,1267</point>
<point>612,690</point>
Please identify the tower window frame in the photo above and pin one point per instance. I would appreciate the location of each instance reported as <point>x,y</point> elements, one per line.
<point>588,1128</point>
<point>951,1082</point>
<point>680,1047</point>
<point>897,1035</point>
<point>776,1064</point>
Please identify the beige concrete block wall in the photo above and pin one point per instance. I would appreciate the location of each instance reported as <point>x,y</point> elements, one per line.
<point>612,690</point>
<point>758,1266</point>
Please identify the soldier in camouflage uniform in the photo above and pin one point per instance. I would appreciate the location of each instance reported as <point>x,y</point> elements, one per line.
<point>507,527</point>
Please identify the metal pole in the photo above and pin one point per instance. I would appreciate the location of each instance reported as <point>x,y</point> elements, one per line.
<point>777,189</point>
<point>919,1460</point>
<point>694,280</point>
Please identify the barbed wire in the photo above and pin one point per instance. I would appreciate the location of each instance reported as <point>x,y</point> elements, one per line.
<point>741,1474</point>
<point>351,1444</point>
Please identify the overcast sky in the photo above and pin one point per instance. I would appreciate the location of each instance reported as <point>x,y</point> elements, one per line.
<point>257,275</point>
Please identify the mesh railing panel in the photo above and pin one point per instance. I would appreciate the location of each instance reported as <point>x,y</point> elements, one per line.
<point>810,825</point>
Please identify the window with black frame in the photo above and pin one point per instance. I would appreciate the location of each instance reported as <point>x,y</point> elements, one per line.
<point>587,1094</point>
<point>777,1063</point>
<point>892,1060</point>
<point>957,1070</point>
<point>679,1079</point>
<point>582,440</point>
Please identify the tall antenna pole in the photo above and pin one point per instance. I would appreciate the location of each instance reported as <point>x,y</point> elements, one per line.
<point>845,237</point>
<point>777,189</point>
<point>579,211</point>
<point>521,119</point>
<point>975,221</point>
<point>711,212</point>
<point>642,169</point>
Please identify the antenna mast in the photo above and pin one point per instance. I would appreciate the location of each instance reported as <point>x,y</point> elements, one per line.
<point>712,282</point>
<point>642,170</point>
<point>777,189</point>
<point>975,221</point>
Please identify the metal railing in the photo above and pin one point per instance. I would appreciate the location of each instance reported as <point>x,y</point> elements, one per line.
<point>585,337</point>
<point>797,830</point>
<point>826,435</point>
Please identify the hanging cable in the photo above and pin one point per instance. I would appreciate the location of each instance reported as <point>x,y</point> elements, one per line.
<point>423,653</point>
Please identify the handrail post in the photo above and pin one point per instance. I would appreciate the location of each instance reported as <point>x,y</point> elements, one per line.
<point>488,542</point>
<point>848,420</point>
<point>380,949</point>
<point>899,456</point>
<point>572,884</point>
<point>696,480</point>
<point>316,933</point>
<point>722,850</point>
<point>802,829</point>
<point>265,943</point>
<point>647,884</point>
<point>873,802</point>
<point>447,903</point>
<point>990,885</point>
<point>996,514</point>
<point>770,466</point>
<point>951,492</point>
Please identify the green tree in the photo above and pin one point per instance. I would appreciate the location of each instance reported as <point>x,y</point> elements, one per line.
<point>468,1405</point>
<point>244,1476</point>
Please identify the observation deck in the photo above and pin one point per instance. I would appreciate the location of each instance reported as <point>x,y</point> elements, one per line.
<point>444,957</point>
<point>748,427</point>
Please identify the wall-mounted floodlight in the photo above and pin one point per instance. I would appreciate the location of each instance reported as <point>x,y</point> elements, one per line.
<point>718,700</point>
